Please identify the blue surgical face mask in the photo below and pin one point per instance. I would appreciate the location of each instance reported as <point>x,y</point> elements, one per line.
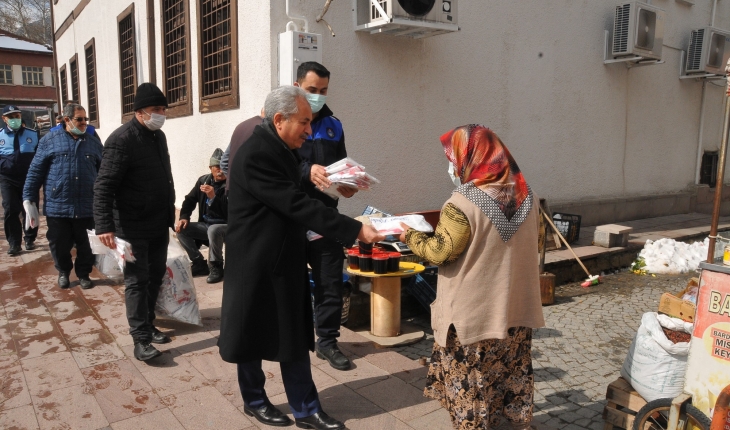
<point>455,179</point>
<point>75,130</point>
<point>14,123</point>
<point>316,101</point>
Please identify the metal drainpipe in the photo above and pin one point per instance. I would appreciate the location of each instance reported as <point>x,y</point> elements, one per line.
<point>720,176</point>
<point>699,138</point>
<point>56,78</point>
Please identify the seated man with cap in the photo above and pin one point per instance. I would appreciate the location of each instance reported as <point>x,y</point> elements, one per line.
<point>209,193</point>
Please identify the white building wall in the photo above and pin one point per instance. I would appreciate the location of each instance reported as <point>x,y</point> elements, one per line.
<point>530,70</point>
<point>191,139</point>
<point>577,128</point>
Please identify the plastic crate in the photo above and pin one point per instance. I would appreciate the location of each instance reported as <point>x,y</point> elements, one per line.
<point>421,289</point>
<point>568,225</point>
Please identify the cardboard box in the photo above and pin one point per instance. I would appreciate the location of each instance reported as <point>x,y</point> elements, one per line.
<point>676,307</point>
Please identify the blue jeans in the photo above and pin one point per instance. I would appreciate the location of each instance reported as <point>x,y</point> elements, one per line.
<point>298,384</point>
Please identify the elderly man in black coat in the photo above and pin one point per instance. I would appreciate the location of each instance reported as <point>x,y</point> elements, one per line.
<point>266,309</point>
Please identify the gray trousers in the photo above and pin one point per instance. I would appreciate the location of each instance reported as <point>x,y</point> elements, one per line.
<point>215,235</point>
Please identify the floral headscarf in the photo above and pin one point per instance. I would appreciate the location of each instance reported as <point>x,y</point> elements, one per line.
<point>480,157</point>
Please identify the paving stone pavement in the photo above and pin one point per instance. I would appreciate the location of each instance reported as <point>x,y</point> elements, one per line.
<point>582,347</point>
<point>66,360</point>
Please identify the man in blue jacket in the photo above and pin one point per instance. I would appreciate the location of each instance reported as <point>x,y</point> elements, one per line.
<point>66,165</point>
<point>17,148</point>
<point>325,146</point>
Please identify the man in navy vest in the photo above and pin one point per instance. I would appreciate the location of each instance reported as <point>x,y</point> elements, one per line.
<point>17,148</point>
<point>325,146</point>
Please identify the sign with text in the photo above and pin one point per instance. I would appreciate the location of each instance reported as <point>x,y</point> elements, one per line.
<point>708,365</point>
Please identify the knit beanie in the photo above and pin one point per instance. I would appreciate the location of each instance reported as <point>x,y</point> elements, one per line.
<point>215,159</point>
<point>148,95</point>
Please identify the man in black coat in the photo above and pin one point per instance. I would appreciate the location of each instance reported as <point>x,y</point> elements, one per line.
<point>209,194</point>
<point>266,311</point>
<point>134,198</point>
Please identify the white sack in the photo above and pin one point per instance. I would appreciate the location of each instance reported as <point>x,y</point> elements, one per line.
<point>177,299</point>
<point>655,366</point>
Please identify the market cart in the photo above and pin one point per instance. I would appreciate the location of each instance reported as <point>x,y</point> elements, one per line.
<point>708,364</point>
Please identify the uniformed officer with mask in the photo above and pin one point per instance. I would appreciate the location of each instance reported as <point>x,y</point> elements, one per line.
<point>17,147</point>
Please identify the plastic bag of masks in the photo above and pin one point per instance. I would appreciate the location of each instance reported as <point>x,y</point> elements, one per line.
<point>177,299</point>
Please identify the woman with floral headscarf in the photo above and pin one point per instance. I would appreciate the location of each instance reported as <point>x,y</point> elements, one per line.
<point>488,298</point>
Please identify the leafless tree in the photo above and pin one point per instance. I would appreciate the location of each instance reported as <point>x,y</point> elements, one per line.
<point>28,18</point>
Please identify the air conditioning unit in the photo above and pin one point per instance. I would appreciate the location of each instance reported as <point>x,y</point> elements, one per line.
<point>709,51</point>
<point>413,18</point>
<point>638,30</point>
<point>420,10</point>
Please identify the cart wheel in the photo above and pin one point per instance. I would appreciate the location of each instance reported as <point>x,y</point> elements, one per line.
<point>655,416</point>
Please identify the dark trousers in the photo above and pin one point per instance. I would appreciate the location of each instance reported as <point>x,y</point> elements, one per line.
<point>215,234</point>
<point>326,259</point>
<point>12,195</point>
<point>298,384</point>
<point>142,280</point>
<point>62,234</point>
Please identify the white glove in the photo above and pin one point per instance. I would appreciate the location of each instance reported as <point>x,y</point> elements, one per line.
<point>31,214</point>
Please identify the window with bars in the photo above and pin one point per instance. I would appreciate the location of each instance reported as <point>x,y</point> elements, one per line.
<point>127,61</point>
<point>63,82</point>
<point>6,74</point>
<point>93,106</point>
<point>217,38</point>
<point>73,65</point>
<point>32,76</point>
<point>176,52</point>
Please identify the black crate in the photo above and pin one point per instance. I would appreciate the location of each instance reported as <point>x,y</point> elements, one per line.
<point>568,225</point>
<point>422,287</point>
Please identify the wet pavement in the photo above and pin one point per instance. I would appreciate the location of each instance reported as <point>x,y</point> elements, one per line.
<point>66,360</point>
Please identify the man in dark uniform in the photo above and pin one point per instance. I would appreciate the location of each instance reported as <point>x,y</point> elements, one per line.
<point>134,198</point>
<point>323,147</point>
<point>17,148</point>
<point>266,311</point>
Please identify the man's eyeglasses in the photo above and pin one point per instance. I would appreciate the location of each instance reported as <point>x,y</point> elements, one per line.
<point>80,118</point>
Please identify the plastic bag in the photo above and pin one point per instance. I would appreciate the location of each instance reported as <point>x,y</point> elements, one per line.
<point>655,366</point>
<point>391,224</point>
<point>177,299</point>
<point>107,258</point>
<point>347,172</point>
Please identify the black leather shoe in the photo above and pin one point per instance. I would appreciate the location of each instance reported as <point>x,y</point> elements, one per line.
<point>29,245</point>
<point>145,351</point>
<point>269,415</point>
<point>160,337</point>
<point>85,283</point>
<point>14,250</point>
<point>63,281</point>
<point>319,421</point>
<point>335,357</point>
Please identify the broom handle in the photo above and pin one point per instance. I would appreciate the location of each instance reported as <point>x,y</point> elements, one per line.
<point>566,244</point>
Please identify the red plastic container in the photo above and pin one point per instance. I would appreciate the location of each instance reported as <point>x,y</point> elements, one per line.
<point>380,263</point>
<point>393,262</point>
<point>353,259</point>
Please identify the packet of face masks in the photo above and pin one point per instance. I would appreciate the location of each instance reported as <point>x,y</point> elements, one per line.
<point>391,225</point>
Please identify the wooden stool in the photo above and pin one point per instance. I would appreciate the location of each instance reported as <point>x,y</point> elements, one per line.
<point>622,404</point>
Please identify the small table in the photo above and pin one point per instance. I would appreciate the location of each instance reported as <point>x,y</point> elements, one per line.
<point>385,299</point>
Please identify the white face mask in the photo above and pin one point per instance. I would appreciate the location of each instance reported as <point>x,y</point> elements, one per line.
<point>316,101</point>
<point>155,122</point>
<point>455,179</point>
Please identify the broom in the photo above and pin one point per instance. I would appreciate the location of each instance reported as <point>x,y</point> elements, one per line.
<point>592,279</point>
